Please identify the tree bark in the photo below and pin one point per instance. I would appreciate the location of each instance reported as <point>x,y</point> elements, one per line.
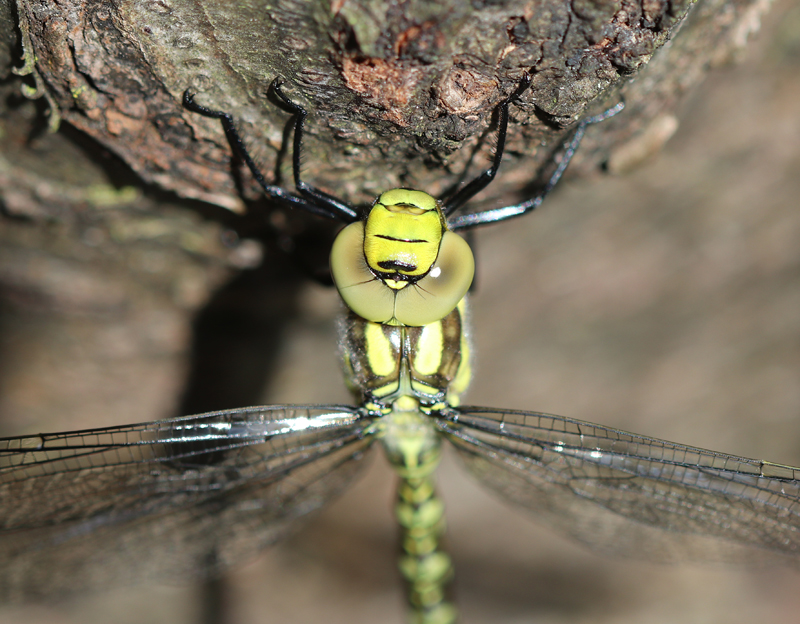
<point>394,90</point>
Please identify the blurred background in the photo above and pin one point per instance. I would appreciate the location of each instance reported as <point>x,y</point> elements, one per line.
<point>664,301</point>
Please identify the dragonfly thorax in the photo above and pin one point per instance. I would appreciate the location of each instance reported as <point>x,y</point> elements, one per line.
<point>406,368</point>
<point>401,266</point>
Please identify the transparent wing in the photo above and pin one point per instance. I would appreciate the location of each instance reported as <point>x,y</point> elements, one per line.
<point>168,498</point>
<point>628,494</point>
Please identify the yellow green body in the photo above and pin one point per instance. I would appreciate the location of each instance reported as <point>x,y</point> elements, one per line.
<point>403,373</point>
<point>405,352</point>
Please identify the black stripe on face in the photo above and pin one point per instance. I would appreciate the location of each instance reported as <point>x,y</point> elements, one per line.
<point>401,240</point>
<point>395,265</point>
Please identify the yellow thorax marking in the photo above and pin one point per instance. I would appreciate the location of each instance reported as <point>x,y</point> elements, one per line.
<point>379,350</point>
<point>428,356</point>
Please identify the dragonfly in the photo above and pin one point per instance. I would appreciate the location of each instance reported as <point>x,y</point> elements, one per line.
<point>207,490</point>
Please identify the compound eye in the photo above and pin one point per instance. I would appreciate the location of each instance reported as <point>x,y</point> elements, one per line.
<point>360,290</point>
<point>438,293</point>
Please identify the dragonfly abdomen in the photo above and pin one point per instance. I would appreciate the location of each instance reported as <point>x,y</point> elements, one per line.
<point>425,566</point>
<point>413,447</point>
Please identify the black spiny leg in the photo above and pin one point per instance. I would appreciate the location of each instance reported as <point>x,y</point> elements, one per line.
<point>493,215</point>
<point>334,205</point>
<point>483,180</point>
<point>237,143</point>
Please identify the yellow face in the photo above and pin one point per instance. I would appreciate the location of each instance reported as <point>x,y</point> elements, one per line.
<point>402,266</point>
<point>402,236</point>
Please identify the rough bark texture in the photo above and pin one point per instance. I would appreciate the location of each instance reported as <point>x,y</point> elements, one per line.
<point>393,89</point>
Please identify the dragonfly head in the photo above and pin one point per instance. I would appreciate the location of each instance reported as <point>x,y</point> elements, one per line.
<point>401,265</point>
